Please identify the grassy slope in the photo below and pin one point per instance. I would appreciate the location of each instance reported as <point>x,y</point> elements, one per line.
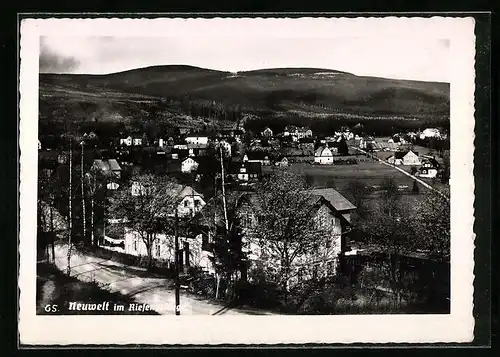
<point>278,90</point>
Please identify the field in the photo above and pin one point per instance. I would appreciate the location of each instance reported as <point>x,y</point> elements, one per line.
<point>371,173</point>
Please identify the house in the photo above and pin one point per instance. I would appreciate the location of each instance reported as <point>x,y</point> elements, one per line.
<point>366,142</point>
<point>137,141</point>
<point>226,147</point>
<point>267,133</point>
<point>190,201</point>
<point>430,133</point>
<point>323,156</point>
<point>257,156</point>
<point>126,141</point>
<point>197,138</point>
<point>391,146</point>
<point>188,165</point>
<point>245,171</point>
<point>90,136</point>
<point>404,158</point>
<point>282,162</point>
<point>297,132</point>
<point>190,250</point>
<point>429,168</point>
<point>194,150</point>
<point>328,208</point>
<point>295,154</point>
<point>109,168</point>
<point>180,146</point>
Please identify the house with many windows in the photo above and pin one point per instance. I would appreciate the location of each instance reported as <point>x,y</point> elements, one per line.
<point>329,210</point>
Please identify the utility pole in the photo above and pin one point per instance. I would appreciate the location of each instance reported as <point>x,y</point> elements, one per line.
<point>223,188</point>
<point>177,284</point>
<point>83,195</point>
<point>68,268</point>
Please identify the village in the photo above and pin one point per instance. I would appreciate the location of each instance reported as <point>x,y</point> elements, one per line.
<point>214,180</point>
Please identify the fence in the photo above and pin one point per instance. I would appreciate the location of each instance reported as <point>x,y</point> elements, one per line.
<point>159,267</point>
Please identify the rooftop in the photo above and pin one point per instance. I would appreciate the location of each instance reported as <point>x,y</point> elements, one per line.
<point>339,202</point>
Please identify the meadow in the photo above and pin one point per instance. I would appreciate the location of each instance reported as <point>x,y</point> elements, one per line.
<point>371,173</point>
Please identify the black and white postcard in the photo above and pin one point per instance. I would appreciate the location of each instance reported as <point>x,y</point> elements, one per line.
<point>255,180</point>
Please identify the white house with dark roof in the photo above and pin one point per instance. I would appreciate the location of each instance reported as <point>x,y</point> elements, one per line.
<point>328,208</point>
<point>189,165</point>
<point>323,156</point>
<point>407,158</point>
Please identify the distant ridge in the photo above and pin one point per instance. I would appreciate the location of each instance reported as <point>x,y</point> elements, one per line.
<point>285,91</point>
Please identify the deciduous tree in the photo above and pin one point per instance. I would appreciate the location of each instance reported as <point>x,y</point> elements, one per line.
<point>149,210</point>
<point>287,229</point>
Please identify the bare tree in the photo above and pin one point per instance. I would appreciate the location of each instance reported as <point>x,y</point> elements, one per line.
<point>358,192</point>
<point>390,226</point>
<point>47,188</point>
<point>149,210</point>
<point>433,224</point>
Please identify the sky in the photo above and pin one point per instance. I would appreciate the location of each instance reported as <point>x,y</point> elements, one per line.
<point>421,57</point>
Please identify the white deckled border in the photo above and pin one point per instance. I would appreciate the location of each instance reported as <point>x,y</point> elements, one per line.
<point>63,330</point>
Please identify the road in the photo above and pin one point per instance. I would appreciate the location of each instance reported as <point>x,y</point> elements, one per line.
<point>425,184</point>
<point>142,286</point>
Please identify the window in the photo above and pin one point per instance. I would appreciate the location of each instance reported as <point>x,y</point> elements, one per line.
<point>135,245</point>
<point>185,203</point>
<point>328,243</point>
<point>197,203</point>
<point>158,250</point>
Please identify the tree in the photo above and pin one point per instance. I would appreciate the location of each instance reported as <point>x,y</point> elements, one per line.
<point>287,230</point>
<point>390,226</point>
<point>149,210</point>
<point>46,201</point>
<point>225,244</point>
<point>358,192</point>
<point>433,224</point>
<point>343,148</point>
